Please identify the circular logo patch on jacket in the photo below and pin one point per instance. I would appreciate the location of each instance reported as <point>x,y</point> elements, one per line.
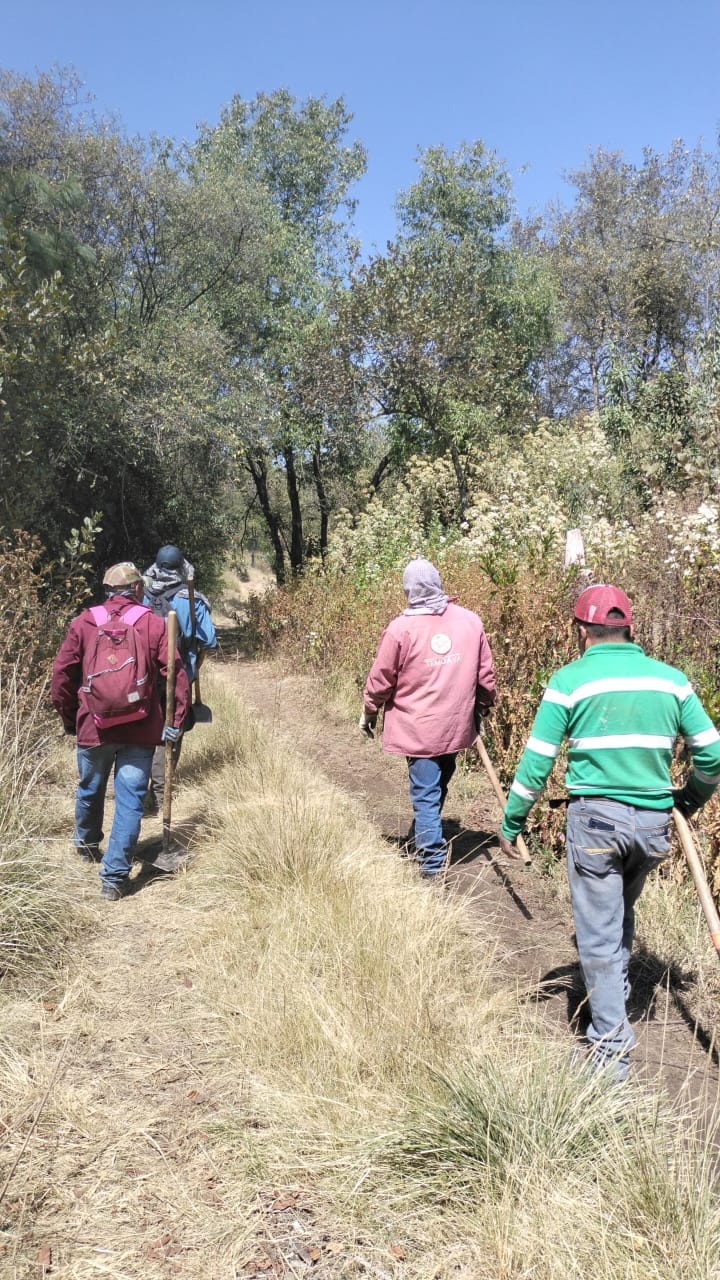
<point>440,643</point>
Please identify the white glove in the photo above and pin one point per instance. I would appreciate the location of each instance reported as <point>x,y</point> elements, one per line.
<point>367,722</point>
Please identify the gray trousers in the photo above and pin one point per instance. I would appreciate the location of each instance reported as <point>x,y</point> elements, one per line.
<point>611,849</point>
<point>157,773</point>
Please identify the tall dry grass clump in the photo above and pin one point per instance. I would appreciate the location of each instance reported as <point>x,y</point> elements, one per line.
<point>37,911</point>
<point>386,1071</point>
<point>359,970</point>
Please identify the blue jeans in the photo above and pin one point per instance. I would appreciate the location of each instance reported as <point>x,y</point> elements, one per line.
<point>429,780</point>
<point>611,849</point>
<point>131,772</point>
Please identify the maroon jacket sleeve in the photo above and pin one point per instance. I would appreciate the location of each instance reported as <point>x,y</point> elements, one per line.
<point>182,684</point>
<point>67,676</point>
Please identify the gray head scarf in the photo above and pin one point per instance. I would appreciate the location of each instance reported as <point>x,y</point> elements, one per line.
<point>423,588</point>
<point>160,582</point>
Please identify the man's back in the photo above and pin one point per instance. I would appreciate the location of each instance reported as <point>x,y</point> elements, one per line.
<point>67,676</point>
<point>621,712</point>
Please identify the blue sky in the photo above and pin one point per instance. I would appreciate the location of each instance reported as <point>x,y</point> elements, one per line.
<point>541,83</point>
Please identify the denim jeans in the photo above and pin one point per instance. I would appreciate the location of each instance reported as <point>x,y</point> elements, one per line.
<point>611,848</point>
<point>131,766</point>
<point>429,780</point>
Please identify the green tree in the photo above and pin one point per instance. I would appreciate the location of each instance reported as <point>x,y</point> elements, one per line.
<point>630,260</point>
<point>452,319</point>
<point>296,396</point>
<point>116,262</point>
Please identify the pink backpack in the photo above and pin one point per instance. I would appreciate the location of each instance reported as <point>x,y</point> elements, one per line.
<point>116,669</point>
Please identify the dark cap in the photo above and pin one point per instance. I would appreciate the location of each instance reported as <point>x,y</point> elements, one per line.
<point>596,603</point>
<point>170,557</point>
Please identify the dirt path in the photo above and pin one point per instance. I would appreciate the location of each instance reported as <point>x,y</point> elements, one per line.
<point>531,921</point>
<point>117,1179</point>
<point>125,1064</point>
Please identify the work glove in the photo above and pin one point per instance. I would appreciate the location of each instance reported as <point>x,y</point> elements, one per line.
<point>70,730</point>
<point>367,722</point>
<point>685,803</point>
<point>170,733</point>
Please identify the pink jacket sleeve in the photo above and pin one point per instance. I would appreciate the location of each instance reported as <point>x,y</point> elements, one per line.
<point>487,691</point>
<point>382,679</point>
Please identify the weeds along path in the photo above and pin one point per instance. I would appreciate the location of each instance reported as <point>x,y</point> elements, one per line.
<point>527,914</point>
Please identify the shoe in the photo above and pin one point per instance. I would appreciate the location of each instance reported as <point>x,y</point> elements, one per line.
<point>151,805</point>
<point>430,869</point>
<point>88,852</point>
<point>112,892</point>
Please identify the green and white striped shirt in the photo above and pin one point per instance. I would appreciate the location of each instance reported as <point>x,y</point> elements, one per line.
<point>621,713</point>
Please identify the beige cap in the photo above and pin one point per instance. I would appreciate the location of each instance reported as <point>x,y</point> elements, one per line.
<point>122,575</point>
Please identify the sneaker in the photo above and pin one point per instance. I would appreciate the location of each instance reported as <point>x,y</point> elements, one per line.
<point>112,892</point>
<point>88,852</point>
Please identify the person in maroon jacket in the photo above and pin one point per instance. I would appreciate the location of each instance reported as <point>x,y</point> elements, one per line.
<point>126,748</point>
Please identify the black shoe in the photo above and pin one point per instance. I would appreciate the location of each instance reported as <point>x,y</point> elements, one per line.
<point>112,892</point>
<point>88,852</point>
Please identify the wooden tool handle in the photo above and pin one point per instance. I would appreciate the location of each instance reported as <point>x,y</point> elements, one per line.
<point>172,633</point>
<point>487,762</point>
<point>692,856</point>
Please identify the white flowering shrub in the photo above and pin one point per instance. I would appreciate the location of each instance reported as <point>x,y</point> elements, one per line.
<point>524,495</point>
<point>558,476</point>
<point>693,539</point>
<point>415,519</point>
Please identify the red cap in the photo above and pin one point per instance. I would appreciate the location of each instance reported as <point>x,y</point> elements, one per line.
<point>595,603</point>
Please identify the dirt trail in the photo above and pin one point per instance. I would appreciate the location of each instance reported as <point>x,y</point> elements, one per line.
<point>532,923</point>
<point>119,1177</point>
<point>118,1181</point>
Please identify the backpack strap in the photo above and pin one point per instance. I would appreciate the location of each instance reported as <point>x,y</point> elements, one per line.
<point>101,615</point>
<point>131,616</point>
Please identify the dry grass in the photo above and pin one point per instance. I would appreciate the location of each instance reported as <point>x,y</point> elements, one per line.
<point>37,913</point>
<point>390,1077</point>
<point>294,1058</point>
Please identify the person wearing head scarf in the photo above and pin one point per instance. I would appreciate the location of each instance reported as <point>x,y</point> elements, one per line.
<point>166,588</point>
<point>433,674</point>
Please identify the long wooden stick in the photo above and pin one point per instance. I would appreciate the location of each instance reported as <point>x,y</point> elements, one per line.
<point>36,1117</point>
<point>193,628</point>
<point>707,901</point>
<point>169,719</point>
<point>487,762</point>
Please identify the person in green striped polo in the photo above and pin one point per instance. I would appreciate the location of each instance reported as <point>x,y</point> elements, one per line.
<point>621,712</point>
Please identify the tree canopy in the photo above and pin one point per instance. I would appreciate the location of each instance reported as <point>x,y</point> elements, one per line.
<point>191,341</point>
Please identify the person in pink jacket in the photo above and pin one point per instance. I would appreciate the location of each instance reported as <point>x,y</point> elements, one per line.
<point>433,674</point>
